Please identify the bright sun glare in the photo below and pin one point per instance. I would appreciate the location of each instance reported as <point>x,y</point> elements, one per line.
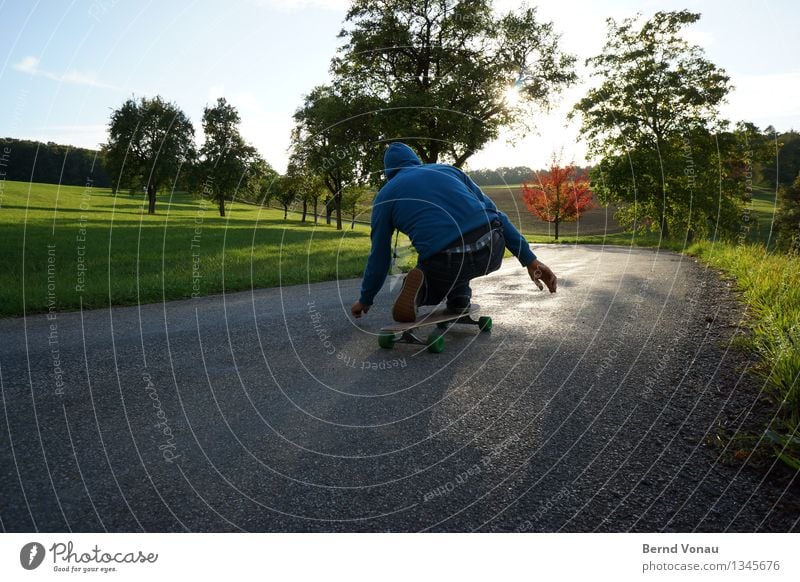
<point>511,95</point>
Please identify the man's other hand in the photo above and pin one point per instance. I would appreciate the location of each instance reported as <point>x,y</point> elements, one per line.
<point>541,273</point>
<point>358,309</point>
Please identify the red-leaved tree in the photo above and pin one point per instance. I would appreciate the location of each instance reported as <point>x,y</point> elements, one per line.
<point>558,195</point>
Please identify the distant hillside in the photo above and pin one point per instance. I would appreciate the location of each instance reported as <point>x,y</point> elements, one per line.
<point>508,175</point>
<point>50,163</point>
<point>501,176</point>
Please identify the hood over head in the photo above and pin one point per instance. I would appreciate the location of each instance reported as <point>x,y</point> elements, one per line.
<point>398,155</point>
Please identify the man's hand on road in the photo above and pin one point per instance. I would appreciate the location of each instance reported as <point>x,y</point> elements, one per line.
<point>358,309</point>
<point>541,273</point>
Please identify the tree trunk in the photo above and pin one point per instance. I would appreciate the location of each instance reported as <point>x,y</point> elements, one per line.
<point>151,196</point>
<point>338,204</point>
<point>353,221</point>
<point>558,208</point>
<point>328,210</point>
<point>315,210</point>
<point>462,159</point>
<point>433,152</point>
<point>662,219</point>
<point>305,210</point>
<point>285,211</point>
<point>222,205</point>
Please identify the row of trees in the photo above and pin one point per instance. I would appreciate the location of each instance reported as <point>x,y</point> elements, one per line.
<point>784,168</point>
<point>438,74</point>
<point>151,147</point>
<point>446,76</point>
<point>504,175</point>
<point>435,74</point>
<point>511,175</point>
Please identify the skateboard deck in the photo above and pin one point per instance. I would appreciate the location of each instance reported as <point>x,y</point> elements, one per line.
<point>441,318</point>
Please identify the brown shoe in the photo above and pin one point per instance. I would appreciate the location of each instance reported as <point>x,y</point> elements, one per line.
<point>405,306</point>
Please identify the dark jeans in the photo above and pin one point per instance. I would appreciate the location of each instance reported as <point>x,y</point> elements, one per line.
<point>447,275</point>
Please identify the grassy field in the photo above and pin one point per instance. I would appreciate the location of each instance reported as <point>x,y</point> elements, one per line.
<point>762,215</point>
<point>68,246</point>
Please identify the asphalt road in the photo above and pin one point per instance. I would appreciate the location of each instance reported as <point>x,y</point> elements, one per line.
<point>605,407</point>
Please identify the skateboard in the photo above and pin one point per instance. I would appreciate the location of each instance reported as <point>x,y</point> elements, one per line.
<point>441,318</point>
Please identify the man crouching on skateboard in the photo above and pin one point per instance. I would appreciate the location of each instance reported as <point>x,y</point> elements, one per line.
<point>457,230</point>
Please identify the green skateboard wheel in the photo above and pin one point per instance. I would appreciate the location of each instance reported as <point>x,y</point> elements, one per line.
<point>435,343</point>
<point>485,323</point>
<point>386,340</point>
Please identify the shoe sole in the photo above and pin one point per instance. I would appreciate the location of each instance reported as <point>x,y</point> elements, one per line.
<point>405,307</point>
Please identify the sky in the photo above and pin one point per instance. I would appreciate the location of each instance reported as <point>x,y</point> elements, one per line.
<point>65,65</point>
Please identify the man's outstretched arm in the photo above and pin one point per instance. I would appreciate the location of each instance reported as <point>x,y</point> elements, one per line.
<point>380,258</point>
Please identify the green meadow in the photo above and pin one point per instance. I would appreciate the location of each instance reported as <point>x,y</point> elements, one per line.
<point>763,208</point>
<point>69,247</point>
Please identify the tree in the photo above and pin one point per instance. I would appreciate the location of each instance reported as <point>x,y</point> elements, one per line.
<point>287,192</point>
<point>658,99</point>
<point>261,182</point>
<point>787,221</point>
<point>443,70</point>
<point>332,141</point>
<point>309,187</point>
<point>353,199</point>
<point>226,157</point>
<point>148,142</point>
<point>558,194</point>
<point>784,167</point>
<point>313,189</point>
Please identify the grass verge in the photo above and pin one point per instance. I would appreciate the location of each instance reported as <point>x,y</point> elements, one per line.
<point>770,286</point>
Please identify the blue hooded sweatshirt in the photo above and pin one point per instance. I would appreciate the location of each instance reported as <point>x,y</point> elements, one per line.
<point>435,205</point>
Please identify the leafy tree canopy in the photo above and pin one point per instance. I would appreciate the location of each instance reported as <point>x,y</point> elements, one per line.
<point>227,160</point>
<point>787,222</point>
<point>655,85</point>
<point>559,194</point>
<point>334,141</point>
<point>653,121</point>
<point>440,71</point>
<point>148,142</point>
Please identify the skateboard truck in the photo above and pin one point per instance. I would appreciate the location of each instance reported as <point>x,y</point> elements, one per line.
<point>404,332</point>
